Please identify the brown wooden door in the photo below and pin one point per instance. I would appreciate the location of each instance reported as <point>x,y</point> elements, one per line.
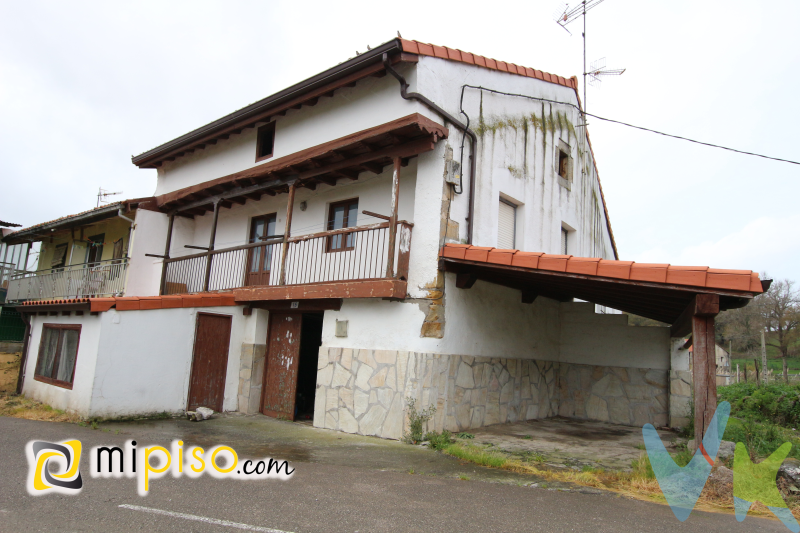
<point>283,357</point>
<point>259,259</point>
<point>211,342</point>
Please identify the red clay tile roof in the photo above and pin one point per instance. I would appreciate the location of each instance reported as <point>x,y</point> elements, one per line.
<point>443,52</point>
<point>693,276</point>
<point>141,303</point>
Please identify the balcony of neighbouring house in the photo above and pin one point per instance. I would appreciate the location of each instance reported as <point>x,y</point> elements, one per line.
<point>101,278</point>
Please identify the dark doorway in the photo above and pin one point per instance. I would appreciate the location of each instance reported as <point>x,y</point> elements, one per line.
<point>310,341</point>
<point>209,364</point>
<point>290,376</point>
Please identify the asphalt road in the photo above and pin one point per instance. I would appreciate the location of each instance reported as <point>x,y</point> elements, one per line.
<point>319,498</point>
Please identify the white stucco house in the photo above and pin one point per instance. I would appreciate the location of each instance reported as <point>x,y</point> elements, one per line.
<point>416,222</point>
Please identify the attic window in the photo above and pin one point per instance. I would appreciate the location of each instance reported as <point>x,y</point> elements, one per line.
<point>563,164</point>
<point>266,141</point>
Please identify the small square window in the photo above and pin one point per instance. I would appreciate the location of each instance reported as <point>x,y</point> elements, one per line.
<point>58,350</point>
<point>266,141</point>
<point>563,164</point>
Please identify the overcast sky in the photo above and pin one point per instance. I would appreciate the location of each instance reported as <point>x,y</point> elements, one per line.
<point>85,85</point>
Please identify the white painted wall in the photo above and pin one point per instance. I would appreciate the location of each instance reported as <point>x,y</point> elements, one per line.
<point>486,320</point>
<point>490,321</point>
<point>146,373</point>
<point>135,362</point>
<point>150,234</point>
<point>588,338</point>
<point>77,400</point>
<point>373,101</point>
<point>519,165</point>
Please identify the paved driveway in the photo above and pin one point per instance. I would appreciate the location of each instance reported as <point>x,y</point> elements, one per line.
<point>342,483</point>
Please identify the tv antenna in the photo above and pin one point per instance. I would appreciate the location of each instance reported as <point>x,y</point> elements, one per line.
<point>566,15</point>
<point>598,69</point>
<point>102,194</point>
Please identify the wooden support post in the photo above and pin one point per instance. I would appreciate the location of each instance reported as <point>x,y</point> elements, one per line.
<point>209,256</point>
<point>287,232</point>
<point>163,284</point>
<point>393,217</point>
<point>704,307</point>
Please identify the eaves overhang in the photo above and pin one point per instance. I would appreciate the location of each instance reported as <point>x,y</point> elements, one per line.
<point>239,119</point>
<point>40,231</point>
<point>656,291</point>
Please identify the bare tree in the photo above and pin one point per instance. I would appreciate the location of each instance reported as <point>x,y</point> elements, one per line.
<point>777,312</point>
<point>780,309</point>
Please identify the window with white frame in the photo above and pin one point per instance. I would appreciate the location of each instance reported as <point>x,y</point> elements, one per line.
<point>506,225</point>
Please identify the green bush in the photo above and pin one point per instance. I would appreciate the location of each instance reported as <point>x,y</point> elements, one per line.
<point>776,403</point>
<point>439,441</point>
<point>760,438</point>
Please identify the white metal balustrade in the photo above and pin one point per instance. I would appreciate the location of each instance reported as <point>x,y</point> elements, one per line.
<point>102,278</point>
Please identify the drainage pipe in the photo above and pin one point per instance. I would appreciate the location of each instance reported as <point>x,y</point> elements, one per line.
<point>473,139</point>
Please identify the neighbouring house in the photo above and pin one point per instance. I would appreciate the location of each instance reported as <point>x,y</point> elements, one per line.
<point>14,259</point>
<point>416,222</point>
<point>723,362</point>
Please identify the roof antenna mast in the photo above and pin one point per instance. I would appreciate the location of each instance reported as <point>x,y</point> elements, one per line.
<point>102,194</point>
<point>565,15</point>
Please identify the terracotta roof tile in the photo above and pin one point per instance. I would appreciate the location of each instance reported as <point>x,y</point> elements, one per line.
<point>691,276</point>
<point>425,49</point>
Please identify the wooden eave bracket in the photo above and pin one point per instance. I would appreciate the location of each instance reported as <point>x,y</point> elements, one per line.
<point>705,305</point>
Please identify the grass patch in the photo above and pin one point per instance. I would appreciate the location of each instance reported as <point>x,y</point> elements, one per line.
<point>15,406</point>
<point>476,454</point>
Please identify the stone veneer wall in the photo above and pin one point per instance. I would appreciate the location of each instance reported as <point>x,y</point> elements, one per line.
<point>365,391</point>
<point>629,396</point>
<point>251,376</point>
<point>680,397</point>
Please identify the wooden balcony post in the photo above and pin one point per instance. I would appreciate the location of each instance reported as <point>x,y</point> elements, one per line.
<point>211,239</point>
<point>163,284</point>
<point>287,232</point>
<point>393,218</point>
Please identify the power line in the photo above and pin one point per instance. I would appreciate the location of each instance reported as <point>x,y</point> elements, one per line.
<point>478,87</point>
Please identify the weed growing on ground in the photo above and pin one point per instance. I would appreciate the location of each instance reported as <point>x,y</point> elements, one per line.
<point>439,441</point>
<point>416,422</point>
<point>462,477</point>
<point>465,435</point>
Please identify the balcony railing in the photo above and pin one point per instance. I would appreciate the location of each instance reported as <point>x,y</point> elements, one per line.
<point>358,253</point>
<point>103,278</point>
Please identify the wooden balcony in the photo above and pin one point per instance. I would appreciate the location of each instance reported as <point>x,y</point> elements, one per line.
<point>362,253</point>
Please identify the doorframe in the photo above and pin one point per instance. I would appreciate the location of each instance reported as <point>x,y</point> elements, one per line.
<point>194,344</point>
<point>266,357</point>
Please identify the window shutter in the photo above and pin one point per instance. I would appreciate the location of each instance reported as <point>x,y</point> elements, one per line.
<point>59,254</point>
<point>506,226</point>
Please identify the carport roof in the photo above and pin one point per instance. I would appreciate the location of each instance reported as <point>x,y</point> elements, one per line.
<point>657,291</point>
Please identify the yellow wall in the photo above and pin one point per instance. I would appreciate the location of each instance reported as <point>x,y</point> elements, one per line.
<point>113,228</point>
